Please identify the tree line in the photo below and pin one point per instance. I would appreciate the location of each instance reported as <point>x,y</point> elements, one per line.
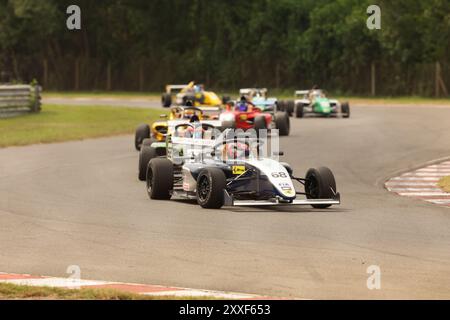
<point>227,44</point>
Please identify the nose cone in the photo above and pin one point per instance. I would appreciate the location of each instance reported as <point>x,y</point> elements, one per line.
<point>323,106</point>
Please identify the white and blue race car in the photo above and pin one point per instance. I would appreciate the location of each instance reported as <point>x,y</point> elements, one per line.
<point>232,171</point>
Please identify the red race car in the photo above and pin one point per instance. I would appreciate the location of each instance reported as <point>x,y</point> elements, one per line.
<point>245,115</point>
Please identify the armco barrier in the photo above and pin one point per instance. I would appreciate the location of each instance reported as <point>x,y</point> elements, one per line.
<point>20,98</point>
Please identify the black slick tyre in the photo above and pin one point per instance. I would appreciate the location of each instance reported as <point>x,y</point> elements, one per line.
<point>211,183</point>
<point>320,184</point>
<point>159,179</point>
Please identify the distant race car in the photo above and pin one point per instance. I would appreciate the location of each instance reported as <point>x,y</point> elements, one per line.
<point>158,130</point>
<point>189,92</point>
<point>155,143</point>
<point>246,115</point>
<point>315,102</point>
<point>228,171</point>
<point>258,96</point>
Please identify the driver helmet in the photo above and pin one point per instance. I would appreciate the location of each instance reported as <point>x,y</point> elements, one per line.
<point>188,132</point>
<point>194,118</point>
<point>242,105</point>
<point>188,114</point>
<point>237,150</point>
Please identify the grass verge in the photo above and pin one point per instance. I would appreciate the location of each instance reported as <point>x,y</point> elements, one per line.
<point>17,292</point>
<point>64,123</point>
<point>444,183</point>
<point>101,94</point>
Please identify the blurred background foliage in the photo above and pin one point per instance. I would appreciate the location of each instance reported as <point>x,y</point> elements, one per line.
<point>144,44</point>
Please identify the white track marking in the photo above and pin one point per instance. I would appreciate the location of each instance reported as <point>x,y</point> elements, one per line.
<point>437,171</point>
<point>54,282</point>
<point>67,283</point>
<point>424,194</point>
<point>415,189</point>
<point>201,294</point>
<point>414,179</point>
<point>425,174</point>
<point>418,184</point>
<point>438,201</point>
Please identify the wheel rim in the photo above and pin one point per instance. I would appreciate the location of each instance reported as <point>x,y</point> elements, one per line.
<point>313,187</point>
<point>204,188</point>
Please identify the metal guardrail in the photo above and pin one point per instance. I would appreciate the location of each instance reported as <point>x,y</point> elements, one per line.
<point>15,98</point>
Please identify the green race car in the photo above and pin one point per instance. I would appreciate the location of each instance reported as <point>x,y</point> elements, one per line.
<point>316,103</point>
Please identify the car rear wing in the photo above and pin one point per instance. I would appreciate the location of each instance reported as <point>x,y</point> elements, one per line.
<point>209,109</point>
<point>230,202</point>
<point>245,91</point>
<point>172,88</point>
<point>301,92</point>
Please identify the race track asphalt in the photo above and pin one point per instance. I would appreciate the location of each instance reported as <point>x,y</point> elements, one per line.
<point>79,203</point>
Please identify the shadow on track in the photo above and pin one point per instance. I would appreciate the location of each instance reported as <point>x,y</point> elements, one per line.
<point>267,209</point>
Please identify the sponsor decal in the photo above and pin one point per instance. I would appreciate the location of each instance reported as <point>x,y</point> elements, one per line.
<point>290,192</point>
<point>287,189</point>
<point>238,170</point>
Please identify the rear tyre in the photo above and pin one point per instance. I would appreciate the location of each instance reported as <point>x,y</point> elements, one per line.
<point>260,124</point>
<point>281,105</point>
<point>146,154</point>
<point>148,142</point>
<point>211,183</point>
<point>345,109</point>
<point>282,123</point>
<point>159,179</point>
<point>166,100</point>
<point>142,133</point>
<point>320,184</point>
<point>290,105</point>
<point>299,110</point>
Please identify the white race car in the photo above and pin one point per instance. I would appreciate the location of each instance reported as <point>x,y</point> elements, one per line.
<point>230,171</point>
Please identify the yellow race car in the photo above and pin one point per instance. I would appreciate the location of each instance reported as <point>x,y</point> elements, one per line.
<point>190,92</point>
<point>158,130</point>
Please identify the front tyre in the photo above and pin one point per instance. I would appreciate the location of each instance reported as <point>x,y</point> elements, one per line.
<point>282,123</point>
<point>290,105</point>
<point>299,110</point>
<point>345,109</point>
<point>142,133</point>
<point>146,154</point>
<point>320,184</point>
<point>211,183</point>
<point>160,179</point>
<point>166,100</point>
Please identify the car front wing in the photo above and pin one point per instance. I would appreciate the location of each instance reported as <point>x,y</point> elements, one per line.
<point>231,202</point>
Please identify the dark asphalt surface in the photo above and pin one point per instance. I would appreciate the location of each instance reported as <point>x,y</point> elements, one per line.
<point>79,203</point>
